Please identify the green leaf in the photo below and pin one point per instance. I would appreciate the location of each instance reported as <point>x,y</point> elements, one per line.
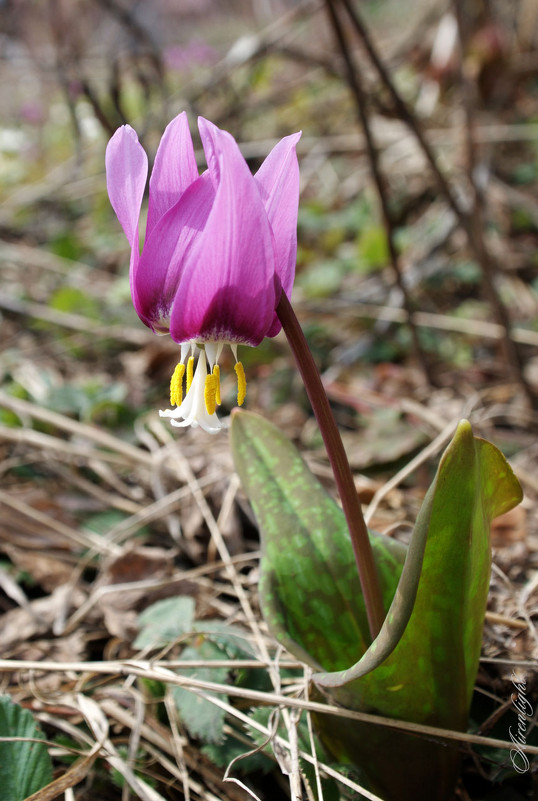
<point>25,767</point>
<point>442,640</point>
<point>234,746</point>
<point>323,279</point>
<point>213,640</point>
<point>73,300</point>
<point>373,248</point>
<point>423,664</point>
<point>232,640</point>
<point>173,618</point>
<point>309,587</point>
<point>165,621</point>
<point>202,718</point>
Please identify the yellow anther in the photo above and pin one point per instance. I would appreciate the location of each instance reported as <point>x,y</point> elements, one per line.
<point>190,372</point>
<point>241,383</point>
<point>216,373</point>
<point>176,385</point>
<point>210,393</point>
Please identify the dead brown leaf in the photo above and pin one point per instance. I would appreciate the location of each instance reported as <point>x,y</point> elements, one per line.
<point>137,563</point>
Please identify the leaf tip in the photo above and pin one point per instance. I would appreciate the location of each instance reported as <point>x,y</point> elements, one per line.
<point>464,429</point>
<point>243,423</point>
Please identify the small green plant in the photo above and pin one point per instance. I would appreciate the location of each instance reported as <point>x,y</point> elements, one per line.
<point>422,665</point>
<point>210,640</point>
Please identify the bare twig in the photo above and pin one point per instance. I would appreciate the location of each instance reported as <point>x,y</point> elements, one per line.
<point>468,220</point>
<point>474,219</point>
<point>355,84</point>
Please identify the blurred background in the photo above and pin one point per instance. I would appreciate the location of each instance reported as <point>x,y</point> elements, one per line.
<point>381,243</point>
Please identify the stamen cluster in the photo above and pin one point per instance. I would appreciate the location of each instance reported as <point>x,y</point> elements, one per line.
<point>202,387</point>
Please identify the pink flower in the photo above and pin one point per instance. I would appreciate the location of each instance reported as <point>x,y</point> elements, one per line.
<point>219,249</point>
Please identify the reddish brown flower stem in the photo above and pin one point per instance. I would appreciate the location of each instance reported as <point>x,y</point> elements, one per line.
<point>339,462</point>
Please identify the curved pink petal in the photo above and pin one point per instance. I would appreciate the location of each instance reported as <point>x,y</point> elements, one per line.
<point>126,172</point>
<point>173,172</point>
<point>278,182</point>
<point>227,287</point>
<point>165,251</point>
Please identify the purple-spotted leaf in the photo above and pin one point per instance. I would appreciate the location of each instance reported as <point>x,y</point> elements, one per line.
<point>423,664</point>
<point>309,588</point>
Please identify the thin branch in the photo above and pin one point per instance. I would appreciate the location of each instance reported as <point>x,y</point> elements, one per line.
<point>467,220</point>
<point>148,670</point>
<point>512,353</point>
<point>355,84</point>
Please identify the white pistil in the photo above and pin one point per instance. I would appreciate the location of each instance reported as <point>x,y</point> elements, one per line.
<point>192,411</point>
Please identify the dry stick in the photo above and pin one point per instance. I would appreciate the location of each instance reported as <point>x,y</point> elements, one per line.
<point>147,670</point>
<point>356,86</point>
<point>126,16</point>
<point>24,409</point>
<point>85,539</point>
<point>364,558</point>
<point>76,774</point>
<point>472,230</point>
<point>152,734</point>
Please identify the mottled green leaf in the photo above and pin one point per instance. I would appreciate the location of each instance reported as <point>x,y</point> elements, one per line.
<point>422,666</point>
<point>309,588</point>
<point>441,643</point>
<point>25,767</point>
<point>429,677</point>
